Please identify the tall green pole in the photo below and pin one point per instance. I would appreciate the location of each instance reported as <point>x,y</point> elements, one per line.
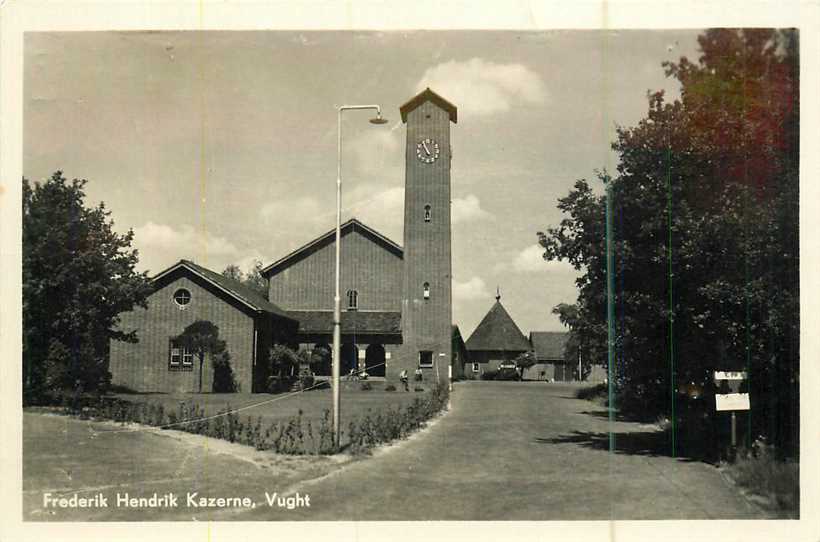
<point>610,312</point>
<point>673,376</point>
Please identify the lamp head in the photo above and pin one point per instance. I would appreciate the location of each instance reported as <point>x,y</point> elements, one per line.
<point>378,119</point>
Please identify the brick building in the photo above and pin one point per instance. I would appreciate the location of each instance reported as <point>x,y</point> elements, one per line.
<point>182,294</point>
<point>496,340</point>
<point>397,300</point>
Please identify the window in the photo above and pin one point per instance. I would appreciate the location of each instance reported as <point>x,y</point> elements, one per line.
<point>426,290</point>
<point>352,300</point>
<point>476,367</point>
<point>179,357</point>
<point>427,213</point>
<point>182,297</point>
<point>425,358</point>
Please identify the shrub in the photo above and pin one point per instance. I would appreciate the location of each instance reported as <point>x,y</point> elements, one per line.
<point>760,471</point>
<point>418,388</point>
<point>366,386</point>
<point>306,381</point>
<point>224,381</point>
<point>390,387</point>
<point>592,392</point>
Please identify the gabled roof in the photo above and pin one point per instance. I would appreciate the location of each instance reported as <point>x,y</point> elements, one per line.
<point>363,322</point>
<point>424,96</point>
<point>549,345</point>
<point>498,331</point>
<point>328,238</point>
<point>245,295</point>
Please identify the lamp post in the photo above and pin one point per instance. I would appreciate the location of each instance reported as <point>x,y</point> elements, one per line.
<point>337,301</point>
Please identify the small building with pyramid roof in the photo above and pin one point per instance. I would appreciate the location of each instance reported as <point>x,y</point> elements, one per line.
<point>497,339</point>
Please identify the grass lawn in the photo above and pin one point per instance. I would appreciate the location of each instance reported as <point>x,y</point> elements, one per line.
<point>64,456</point>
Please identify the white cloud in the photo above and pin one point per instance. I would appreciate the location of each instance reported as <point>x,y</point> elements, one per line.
<point>475,288</point>
<point>377,152</point>
<point>480,87</point>
<point>467,209</point>
<point>284,210</point>
<point>161,245</point>
<point>381,209</point>
<point>531,260</point>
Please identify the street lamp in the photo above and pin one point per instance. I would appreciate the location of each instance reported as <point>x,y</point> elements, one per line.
<point>337,301</point>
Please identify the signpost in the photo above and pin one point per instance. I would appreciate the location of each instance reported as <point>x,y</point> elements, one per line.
<point>729,396</point>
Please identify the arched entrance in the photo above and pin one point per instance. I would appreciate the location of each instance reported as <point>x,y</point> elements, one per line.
<point>374,360</point>
<point>350,358</point>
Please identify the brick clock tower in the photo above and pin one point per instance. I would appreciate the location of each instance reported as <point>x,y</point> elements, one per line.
<point>426,300</point>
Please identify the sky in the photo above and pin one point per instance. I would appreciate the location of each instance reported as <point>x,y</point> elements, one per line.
<point>220,146</point>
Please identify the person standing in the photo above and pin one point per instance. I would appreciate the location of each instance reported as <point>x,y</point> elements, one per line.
<point>403,378</point>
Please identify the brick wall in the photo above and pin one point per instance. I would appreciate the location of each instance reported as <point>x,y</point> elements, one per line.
<point>144,366</point>
<point>366,266</point>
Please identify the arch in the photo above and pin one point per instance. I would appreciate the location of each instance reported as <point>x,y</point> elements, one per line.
<point>320,360</point>
<point>374,360</point>
<point>350,358</point>
<point>352,300</point>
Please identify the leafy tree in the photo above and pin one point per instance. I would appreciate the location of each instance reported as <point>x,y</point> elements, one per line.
<point>255,280</point>
<point>78,276</point>
<point>201,338</point>
<point>252,279</point>
<point>234,273</point>
<point>524,361</point>
<point>704,233</point>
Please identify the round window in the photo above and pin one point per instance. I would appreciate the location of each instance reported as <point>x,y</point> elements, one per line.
<point>182,297</point>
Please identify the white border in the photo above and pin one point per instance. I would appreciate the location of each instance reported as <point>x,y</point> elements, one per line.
<point>40,15</point>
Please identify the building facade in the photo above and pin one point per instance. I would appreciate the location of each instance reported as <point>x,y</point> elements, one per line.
<point>397,300</point>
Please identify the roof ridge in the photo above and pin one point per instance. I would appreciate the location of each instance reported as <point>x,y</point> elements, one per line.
<point>351,222</point>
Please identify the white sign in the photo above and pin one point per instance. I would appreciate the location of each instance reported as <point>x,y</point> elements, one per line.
<point>727,375</point>
<point>732,401</point>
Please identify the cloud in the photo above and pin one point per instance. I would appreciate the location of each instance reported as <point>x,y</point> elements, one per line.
<point>381,209</point>
<point>378,152</point>
<point>284,210</point>
<point>531,260</point>
<point>480,87</point>
<point>475,288</point>
<point>468,209</point>
<point>160,246</point>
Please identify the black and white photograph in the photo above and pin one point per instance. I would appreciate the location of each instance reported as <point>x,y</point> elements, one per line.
<point>372,275</point>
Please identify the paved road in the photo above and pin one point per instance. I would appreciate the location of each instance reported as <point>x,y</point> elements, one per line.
<point>521,451</point>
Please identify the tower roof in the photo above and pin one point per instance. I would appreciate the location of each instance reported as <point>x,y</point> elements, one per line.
<point>498,331</point>
<point>428,95</point>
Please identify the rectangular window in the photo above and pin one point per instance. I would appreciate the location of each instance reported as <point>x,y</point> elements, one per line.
<point>425,358</point>
<point>179,358</point>
<point>476,367</point>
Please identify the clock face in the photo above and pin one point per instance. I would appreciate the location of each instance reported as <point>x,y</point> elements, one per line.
<point>427,150</point>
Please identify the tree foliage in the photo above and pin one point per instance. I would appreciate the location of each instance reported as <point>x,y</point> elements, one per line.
<point>252,279</point>
<point>201,338</point>
<point>78,276</point>
<point>704,234</point>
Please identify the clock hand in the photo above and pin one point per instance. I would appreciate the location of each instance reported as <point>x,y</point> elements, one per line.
<point>424,144</point>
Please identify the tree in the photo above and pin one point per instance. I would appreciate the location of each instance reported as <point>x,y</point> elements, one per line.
<point>252,279</point>
<point>524,361</point>
<point>704,234</point>
<point>78,276</point>
<point>234,273</point>
<point>202,338</point>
